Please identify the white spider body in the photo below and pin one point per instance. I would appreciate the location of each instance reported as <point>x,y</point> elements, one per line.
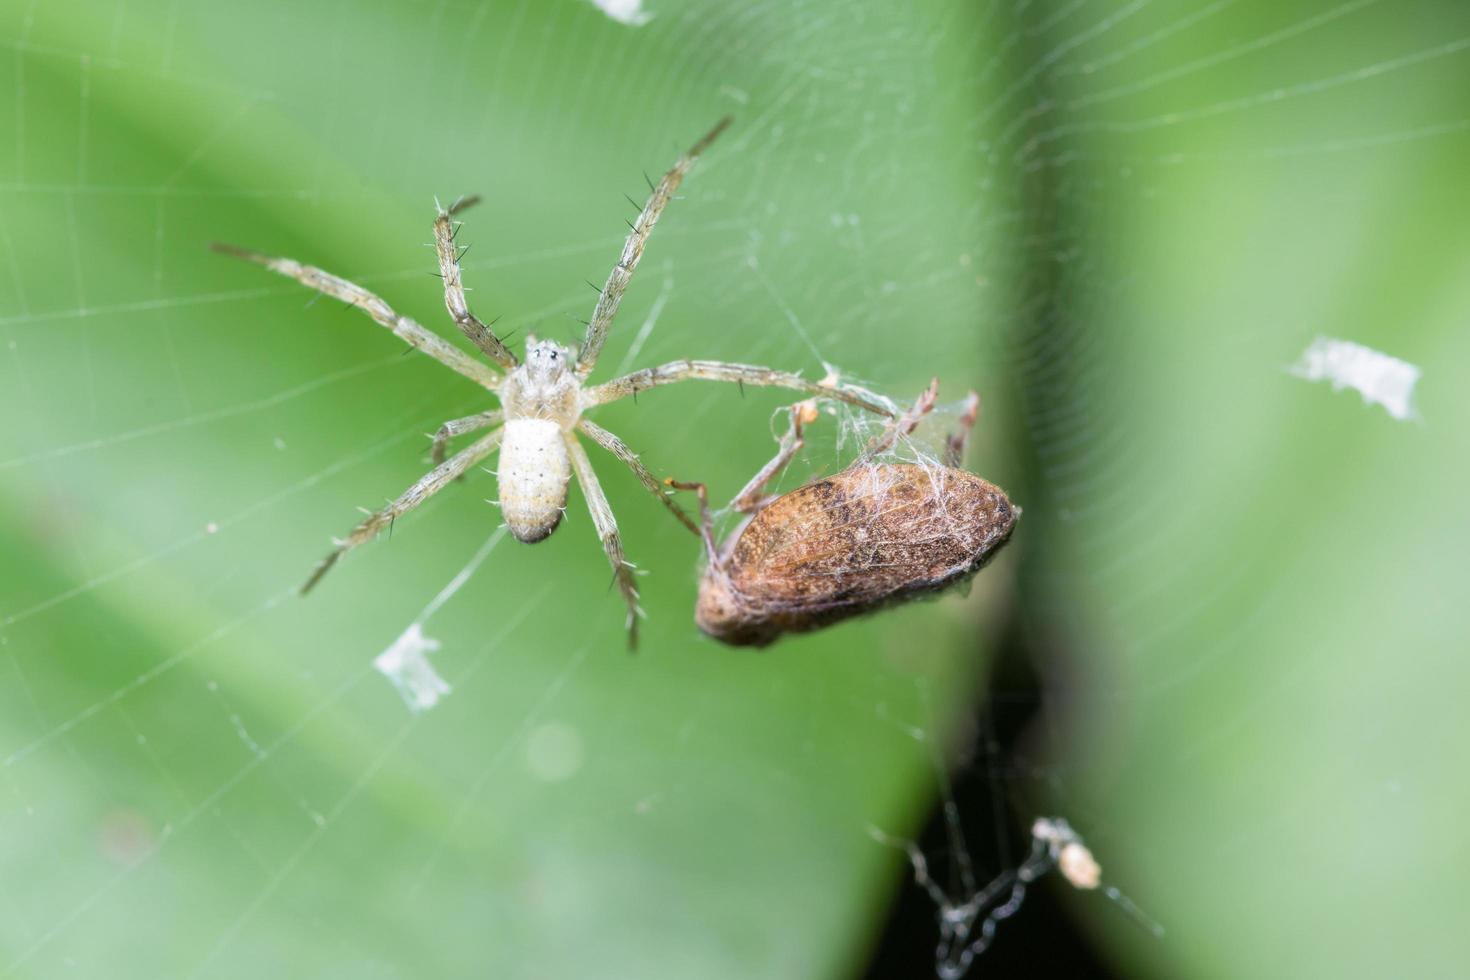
<point>534,471</point>
<point>542,403</point>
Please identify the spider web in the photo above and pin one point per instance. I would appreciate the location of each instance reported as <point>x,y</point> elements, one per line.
<point>1121,222</point>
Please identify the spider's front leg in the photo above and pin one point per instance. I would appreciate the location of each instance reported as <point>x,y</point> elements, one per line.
<point>374,306</point>
<point>622,273</point>
<point>449,255</point>
<point>607,531</point>
<point>741,374</point>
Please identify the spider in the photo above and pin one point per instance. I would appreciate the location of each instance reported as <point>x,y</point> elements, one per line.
<point>542,399</point>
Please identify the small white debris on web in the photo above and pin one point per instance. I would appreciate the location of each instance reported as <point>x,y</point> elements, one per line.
<point>1078,866</point>
<point>1378,377</point>
<point>405,665</point>
<point>628,12</point>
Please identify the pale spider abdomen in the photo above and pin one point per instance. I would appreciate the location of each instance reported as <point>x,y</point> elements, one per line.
<point>533,473</point>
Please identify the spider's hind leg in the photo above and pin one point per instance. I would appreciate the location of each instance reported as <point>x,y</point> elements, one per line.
<point>607,531</point>
<point>707,523</point>
<point>428,485</point>
<point>618,448</point>
<point>459,427</point>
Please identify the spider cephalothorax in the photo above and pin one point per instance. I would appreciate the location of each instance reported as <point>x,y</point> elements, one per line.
<point>542,398</point>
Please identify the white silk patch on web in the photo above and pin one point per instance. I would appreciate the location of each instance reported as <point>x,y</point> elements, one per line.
<point>1378,377</point>
<point>628,12</point>
<point>407,666</point>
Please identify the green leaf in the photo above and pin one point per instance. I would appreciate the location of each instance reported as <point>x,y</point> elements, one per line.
<point>1122,224</point>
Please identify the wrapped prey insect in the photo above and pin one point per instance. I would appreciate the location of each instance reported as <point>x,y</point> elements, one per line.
<point>875,534</point>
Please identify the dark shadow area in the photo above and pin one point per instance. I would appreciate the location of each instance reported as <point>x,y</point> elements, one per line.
<point>1040,940</point>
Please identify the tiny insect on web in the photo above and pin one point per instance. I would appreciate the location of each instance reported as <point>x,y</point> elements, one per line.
<point>542,399</point>
<point>875,534</point>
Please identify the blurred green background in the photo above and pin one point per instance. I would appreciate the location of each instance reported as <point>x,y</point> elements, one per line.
<point>1121,223</point>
